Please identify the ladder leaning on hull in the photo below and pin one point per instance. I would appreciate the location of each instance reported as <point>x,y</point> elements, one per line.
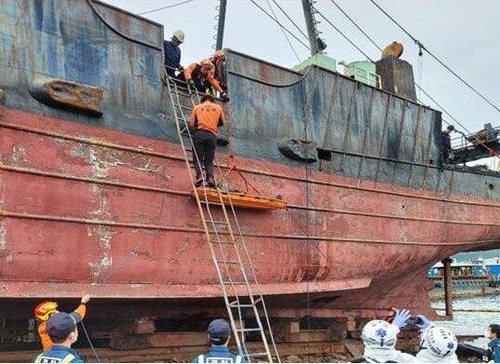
<point>238,281</point>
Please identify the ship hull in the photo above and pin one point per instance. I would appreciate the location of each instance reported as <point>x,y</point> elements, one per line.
<point>87,209</point>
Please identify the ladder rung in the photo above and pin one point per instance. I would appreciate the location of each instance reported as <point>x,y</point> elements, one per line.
<point>252,329</point>
<point>241,305</point>
<point>257,354</point>
<point>183,106</point>
<point>228,261</point>
<point>182,92</point>
<point>222,242</point>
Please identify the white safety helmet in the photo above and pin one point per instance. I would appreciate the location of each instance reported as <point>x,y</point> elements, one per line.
<point>379,333</point>
<point>178,36</point>
<point>439,341</point>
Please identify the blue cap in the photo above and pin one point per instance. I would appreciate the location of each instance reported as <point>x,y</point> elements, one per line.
<point>61,324</point>
<point>219,330</point>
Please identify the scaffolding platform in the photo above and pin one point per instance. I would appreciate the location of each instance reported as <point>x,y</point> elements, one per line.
<point>240,199</point>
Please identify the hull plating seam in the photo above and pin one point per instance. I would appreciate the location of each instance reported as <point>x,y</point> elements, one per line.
<point>97,142</point>
<point>187,194</point>
<point>201,231</point>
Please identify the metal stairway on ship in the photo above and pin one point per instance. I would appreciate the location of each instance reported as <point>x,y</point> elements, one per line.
<point>238,281</point>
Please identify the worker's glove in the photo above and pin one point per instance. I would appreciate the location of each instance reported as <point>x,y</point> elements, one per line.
<point>401,317</point>
<point>191,83</point>
<point>224,97</point>
<point>423,323</point>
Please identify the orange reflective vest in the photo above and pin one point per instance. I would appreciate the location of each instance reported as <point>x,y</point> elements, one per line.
<point>207,116</point>
<point>195,70</point>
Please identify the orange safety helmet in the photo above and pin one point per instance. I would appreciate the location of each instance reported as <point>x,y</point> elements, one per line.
<point>45,309</point>
<point>207,62</point>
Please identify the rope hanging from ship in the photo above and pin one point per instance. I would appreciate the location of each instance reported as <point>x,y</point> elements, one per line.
<point>307,173</point>
<point>421,47</point>
<point>116,31</point>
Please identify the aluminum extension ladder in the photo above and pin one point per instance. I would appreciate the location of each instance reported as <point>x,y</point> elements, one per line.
<point>238,281</point>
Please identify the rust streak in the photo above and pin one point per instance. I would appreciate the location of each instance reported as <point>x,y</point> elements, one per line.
<point>187,194</point>
<point>10,214</point>
<point>243,169</point>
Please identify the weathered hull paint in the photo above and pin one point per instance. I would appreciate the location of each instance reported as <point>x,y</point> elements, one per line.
<point>91,209</point>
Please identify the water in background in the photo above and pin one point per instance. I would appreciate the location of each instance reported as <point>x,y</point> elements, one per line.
<point>476,320</point>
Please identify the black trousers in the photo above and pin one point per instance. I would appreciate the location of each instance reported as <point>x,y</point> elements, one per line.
<point>204,145</point>
<point>199,82</point>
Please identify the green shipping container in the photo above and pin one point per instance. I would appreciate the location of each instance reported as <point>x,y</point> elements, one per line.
<point>319,60</point>
<point>363,71</point>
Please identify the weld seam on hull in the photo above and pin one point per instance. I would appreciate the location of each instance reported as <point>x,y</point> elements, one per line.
<point>187,194</point>
<point>9,214</point>
<point>243,169</point>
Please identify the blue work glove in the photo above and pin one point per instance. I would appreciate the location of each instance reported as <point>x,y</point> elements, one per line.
<point>423,323</point>
<point>401,317</point>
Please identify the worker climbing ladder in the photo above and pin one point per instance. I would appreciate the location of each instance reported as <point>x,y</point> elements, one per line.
<point>237,278</point>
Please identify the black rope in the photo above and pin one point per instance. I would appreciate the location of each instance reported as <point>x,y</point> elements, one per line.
<point>270,84</point>
<point>116,31</point>
<point>277,22</point>
<point>422,47</point>
<point>165,7</point>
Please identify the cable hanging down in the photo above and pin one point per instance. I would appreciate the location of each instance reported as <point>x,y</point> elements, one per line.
<point>492,152</point>
<point>422,47</point>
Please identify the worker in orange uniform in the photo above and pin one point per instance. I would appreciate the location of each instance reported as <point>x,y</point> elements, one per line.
<point>218,60</point>
<point>45,310</point>
<point>205,119</point>
<point>201,76</point>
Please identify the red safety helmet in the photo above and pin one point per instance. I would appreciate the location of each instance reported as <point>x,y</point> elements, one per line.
<point>45,309</point>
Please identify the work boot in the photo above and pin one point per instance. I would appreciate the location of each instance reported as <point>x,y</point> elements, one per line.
<point>198,182</point>
<point>211,182</point>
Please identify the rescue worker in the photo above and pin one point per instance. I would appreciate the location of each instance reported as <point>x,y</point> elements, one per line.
<point>173,53</point>
<point>218,60</point>
<point>492,354</point>
<point>380,337</point>
<point>201,77</point>
<point>219,333</point>
<point>446,143</point>
<point>45,310</point>
<point>437,345</point>
<point>205,119</point>
<point>63,332</point>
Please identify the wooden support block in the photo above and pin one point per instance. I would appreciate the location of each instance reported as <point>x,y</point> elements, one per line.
<point>176,339</point>
<point>294,327</point>
<point>354,348</point>
<point>351,324</point>
<point>144,327</point>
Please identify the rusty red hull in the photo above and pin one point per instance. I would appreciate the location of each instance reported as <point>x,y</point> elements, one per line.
<point>89,209</point>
